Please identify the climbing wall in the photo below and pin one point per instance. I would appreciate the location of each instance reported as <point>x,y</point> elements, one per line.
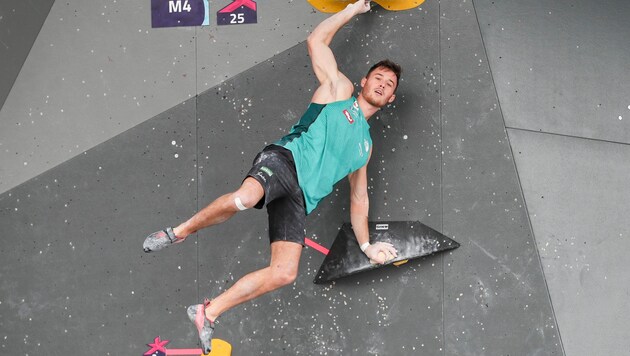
<point>74,278</point>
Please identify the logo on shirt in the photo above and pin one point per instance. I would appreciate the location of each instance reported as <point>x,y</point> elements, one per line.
<point>355,107</point>
<point>365,145</point>
<point>348,116</point>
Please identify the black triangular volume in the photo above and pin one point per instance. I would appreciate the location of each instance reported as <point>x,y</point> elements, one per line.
<point>412,239</point>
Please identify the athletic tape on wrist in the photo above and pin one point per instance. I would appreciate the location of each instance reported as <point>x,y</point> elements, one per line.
<point>365,246</point>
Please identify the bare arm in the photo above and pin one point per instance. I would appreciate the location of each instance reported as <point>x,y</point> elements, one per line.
<point>359,208</point>
<point>334,85</point>
<point>359,204</point>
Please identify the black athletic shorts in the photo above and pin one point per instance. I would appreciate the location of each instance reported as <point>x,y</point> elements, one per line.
<point>274,169</point>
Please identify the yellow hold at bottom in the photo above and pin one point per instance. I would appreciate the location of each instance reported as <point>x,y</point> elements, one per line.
<point>220,348</point>
<point>331,6</point>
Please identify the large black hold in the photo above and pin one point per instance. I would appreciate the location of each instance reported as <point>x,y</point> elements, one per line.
<point>412,239</point>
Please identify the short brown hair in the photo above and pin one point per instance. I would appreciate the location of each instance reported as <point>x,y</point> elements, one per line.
<point>386,63</point>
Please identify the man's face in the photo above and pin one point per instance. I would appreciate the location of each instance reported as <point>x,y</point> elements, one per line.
<point>379,86</point>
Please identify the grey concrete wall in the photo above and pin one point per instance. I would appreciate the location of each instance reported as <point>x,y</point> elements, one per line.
<point>98,69</point>
<point>73,280</point>
<point>560,66</point>
<point>20,22</point>
<point>560,69</point>
<point>496,300</point>
<point>576,192</point>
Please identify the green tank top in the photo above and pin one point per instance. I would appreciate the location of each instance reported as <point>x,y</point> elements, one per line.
<point>329,142</point>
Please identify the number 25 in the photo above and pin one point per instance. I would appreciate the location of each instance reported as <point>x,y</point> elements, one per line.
<point>237,18</point>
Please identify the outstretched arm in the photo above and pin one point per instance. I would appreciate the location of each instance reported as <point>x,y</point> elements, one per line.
<point>359,208</point>
<point>334,85</point>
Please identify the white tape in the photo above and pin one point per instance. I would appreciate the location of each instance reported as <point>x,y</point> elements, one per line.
<point>365,246</point>
<point>239,204</point>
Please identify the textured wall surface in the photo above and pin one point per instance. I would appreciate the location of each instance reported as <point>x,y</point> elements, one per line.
<point>20,23</point>
<point>97,69</point>
<point>559,71</point>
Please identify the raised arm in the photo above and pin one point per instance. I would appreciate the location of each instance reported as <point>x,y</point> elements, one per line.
<point>334,85</point>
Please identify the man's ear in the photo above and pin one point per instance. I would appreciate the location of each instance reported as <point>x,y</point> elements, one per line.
<point>391,99</point>
<point>363,81</point>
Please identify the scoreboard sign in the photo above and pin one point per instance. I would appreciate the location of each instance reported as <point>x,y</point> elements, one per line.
<point>173,13</point>
<point>237,13</point>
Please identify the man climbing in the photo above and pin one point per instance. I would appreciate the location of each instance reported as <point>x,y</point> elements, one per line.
<point>330,141</point>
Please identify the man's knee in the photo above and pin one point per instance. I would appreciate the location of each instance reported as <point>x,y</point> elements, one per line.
<point>243,201</point>
<point>240,205</point>
<point>284,277</point>
<point>248,195</point>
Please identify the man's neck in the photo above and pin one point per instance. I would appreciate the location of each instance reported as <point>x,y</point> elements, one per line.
<point>366,108</point>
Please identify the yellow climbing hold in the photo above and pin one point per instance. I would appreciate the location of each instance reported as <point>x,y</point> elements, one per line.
<point>331,6</point>
<point>399,5</point>
<point>220,348</point>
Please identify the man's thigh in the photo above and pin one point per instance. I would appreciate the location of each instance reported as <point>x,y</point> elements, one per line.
<point>287,219</point>
<point>285,255</point>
